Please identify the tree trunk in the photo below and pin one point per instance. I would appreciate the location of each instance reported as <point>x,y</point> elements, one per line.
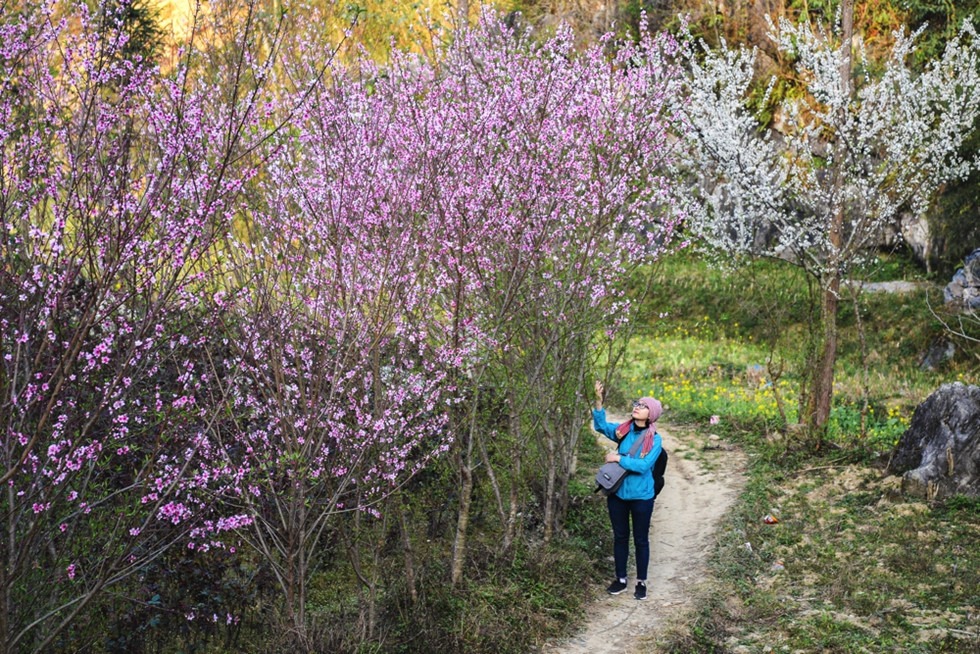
<point>296,566</point>
<point>510,531</point>
<point>550,498</point>
<point>408,553</point>
<point>462,521</point>
<point>822,388</point>
<point>847,35</point>
<point>376,564</point>
<point>464,462</point>
<point>818,410</point>
<point>7,567</point>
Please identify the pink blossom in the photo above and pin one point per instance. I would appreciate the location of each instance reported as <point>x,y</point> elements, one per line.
<point>414,228</point>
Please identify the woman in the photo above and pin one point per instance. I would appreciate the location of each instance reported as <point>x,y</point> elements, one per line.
<point>634,499</point>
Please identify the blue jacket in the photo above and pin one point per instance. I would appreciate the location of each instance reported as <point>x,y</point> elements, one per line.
<point>637,486</point>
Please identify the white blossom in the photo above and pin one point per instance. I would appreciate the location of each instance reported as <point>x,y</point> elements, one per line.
<point>891,143</point>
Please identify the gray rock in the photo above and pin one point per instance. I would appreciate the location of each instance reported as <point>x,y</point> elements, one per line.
<point>963,291</point>
<point>896,287</point>
<point>917,235</point>
<point>939,454</point>
<point>940,351</point>
<point>911,229</point>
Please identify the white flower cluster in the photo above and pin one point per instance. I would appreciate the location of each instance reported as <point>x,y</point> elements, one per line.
<point>842,160</point>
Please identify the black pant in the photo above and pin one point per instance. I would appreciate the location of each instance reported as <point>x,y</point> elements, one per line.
<point>620,512</point>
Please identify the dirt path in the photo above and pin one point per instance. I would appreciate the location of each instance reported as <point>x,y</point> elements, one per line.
<point>703,479</point>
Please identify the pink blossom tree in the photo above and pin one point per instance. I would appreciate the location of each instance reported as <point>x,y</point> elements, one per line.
<point>245,297</point>
<point>548,169</point>
<point>337,387</point>
<point>117,184</point>
<point>424,225</point>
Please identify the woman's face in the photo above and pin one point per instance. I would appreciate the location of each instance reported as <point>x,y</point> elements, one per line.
<point>640,411</point>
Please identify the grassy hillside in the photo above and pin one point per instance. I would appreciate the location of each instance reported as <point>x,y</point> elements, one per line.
<point>732,344</point>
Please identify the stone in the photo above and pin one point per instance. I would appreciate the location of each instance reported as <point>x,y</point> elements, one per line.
<point>909,229</point>
<point>895,287</point>
<point>940,351</point>
<point>939,454</point>
<point>917,235</point>
<point>913,231</point>
<point>963,291</point>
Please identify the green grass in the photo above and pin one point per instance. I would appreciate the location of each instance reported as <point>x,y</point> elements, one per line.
<point>729,347</point>
<point>861,566</point>
<point>852,565</point>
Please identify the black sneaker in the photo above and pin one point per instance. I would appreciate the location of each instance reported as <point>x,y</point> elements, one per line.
<point>616,587</point>
<point>641,591</point>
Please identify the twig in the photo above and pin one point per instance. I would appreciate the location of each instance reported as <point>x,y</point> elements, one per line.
<point>833,465</point>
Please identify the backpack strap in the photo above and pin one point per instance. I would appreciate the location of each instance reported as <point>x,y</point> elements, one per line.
<point>636,446</point>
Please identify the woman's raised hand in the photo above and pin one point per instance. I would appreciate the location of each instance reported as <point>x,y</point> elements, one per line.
<point>599,389</point>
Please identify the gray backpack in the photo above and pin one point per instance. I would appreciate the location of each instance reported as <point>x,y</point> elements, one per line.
<point>611,475</point>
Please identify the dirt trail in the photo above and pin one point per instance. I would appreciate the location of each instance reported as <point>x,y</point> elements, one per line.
<point>701,485</point>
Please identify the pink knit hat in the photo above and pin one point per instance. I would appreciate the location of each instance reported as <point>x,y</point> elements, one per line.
<point>655,409</point>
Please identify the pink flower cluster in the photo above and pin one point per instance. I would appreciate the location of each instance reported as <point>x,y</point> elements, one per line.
<point>209,306</point>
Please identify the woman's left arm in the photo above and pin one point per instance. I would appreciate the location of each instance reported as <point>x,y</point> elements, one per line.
<point>644,463</point>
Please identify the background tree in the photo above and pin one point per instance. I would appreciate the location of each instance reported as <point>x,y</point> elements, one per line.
<point>952,231</point>
<point>548,199</point>
<point>338,389</point>
<point>423,229</point>
<point>953,225</point>
<point>852,153</point>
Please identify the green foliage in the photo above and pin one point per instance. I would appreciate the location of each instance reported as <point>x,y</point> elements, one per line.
<point>141,23</point>
<point>726,344</point>
<point>940,18</point>
<point>659,15</point>
<point>587,523</point>
<point>508,604</point>
<point>954,220</point>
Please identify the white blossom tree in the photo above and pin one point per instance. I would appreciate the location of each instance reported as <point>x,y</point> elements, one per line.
<point>850,154</point>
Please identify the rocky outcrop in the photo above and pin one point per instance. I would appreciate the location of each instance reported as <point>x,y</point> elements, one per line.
<point>939,454</point>
<point>913,231</point>
<point>964,291</point>
<point>940,351</point>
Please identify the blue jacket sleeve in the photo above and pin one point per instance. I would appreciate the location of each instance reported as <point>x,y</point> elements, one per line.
<point>642,464</point>
<point>607,429</point>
